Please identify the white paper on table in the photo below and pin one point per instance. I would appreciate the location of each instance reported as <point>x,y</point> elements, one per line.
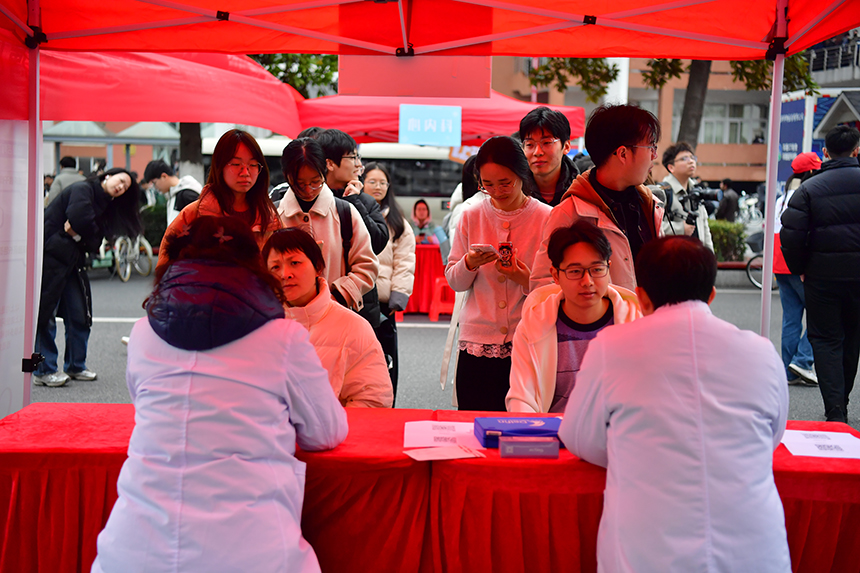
<point>430,434</point>
<point>822,444</point>
<point>443,453</point>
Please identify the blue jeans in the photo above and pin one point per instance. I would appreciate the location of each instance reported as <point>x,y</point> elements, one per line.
<point>795,344</point>
<point>73,308</point>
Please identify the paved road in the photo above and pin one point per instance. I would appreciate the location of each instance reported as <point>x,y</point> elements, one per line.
<point>117,305</point>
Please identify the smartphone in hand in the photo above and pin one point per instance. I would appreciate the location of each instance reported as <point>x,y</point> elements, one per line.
<point>482,248</point>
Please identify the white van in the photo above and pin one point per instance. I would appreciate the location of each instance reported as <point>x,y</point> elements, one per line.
<point>417,172</point>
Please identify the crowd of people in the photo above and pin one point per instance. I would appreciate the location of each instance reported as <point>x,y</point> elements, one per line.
<point>576,292</point>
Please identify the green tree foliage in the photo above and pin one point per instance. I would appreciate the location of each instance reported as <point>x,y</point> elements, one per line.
<point>301,70</point>
<point>758,74</point>
<point>592,75</point>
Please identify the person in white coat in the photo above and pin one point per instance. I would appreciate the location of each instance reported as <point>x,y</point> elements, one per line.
<point>343,340</point>
<point>559,320</point>
<point>223,389</point>
<point>684,410</point>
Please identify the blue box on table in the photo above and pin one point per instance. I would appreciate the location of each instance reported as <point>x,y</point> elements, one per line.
<point>489,430</point>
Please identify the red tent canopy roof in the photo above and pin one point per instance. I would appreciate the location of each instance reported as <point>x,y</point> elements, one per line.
<point>373,118</point>
<point>701,29</point>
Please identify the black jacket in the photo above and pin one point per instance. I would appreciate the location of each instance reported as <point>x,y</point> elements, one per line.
<point>566,176</point>
<point>372,216</point>
<point>820,233</point>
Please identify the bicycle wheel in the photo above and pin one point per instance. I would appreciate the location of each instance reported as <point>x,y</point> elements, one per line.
<point>143,262</point>
<point>755,272</point>
<point>122,250</point>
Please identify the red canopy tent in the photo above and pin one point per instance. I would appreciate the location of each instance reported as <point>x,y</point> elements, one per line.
<point>698,29</point>
<point>370,118</point>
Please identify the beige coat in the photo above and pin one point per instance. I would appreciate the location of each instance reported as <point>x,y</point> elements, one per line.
<point>397,264</point>
<point>348,350</point>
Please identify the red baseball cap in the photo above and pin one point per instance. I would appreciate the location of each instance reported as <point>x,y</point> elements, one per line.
<point>804,162</point>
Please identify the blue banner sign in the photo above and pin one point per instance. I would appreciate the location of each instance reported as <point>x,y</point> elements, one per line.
<point>430,125</point>
<point>790,139</point>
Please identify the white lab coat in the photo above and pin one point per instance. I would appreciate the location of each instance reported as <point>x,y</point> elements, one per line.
<point>684,410</point>
<point>212,482</point>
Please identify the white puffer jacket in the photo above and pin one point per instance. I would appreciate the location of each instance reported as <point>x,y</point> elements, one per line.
<point>348,350</point>
<point>535,357</point>
<point>397,264</point>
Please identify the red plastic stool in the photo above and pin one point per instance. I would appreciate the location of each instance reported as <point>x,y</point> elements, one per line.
<point>443,299</point>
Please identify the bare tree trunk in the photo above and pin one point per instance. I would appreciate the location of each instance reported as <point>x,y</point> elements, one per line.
<point>694,101</point>
<point>190,151</point>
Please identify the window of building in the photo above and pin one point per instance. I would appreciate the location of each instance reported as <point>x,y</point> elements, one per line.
<point>727,123</point>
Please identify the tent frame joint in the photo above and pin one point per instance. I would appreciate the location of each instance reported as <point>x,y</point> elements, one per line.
<point>407,52</point>
<point>589,20</point>
<point>30,364</point>
<point>222,15</point>
<point>37,38</point>
<point>776,47</point>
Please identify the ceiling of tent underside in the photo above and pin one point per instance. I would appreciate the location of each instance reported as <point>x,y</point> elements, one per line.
<point>700,29</point>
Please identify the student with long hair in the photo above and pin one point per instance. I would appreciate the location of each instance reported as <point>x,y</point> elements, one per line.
<point>396,262</point>
<point>237,186</point>
<point>510,223</point>
<point>75,224</point>
<point>223,389</point>
<point>343,340</point>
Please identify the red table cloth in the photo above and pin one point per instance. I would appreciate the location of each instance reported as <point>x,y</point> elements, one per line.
<point>428,267</point>
<point>505,515</point>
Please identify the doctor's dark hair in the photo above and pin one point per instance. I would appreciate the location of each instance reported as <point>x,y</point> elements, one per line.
<point>394,217</point>
<point>223,239</point>
<point>614,126</point>
<point>336,144</point>
<point>581,231</point>
<point>292,240</point>
<point>122,215</point>
<point>259,204</point>
<point>302,152</point>
<point>543,118</point>
<point>672,270</point>
<point>505,151</point>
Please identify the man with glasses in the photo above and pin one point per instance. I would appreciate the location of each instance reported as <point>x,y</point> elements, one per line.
<point>545,134</point>
<point>559,320</point>
<point>683,216</point>
<point>622,142</point>
<point>179,192</point>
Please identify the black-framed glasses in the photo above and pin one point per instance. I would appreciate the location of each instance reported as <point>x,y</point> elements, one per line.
<point>354,157</point>
<point>576,273</point>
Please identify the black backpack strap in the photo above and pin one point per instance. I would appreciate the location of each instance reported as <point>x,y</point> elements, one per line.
<point>345,216</point>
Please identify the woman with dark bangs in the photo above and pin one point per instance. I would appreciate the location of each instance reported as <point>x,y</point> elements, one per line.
<point>237,186</point>
<point>223,389</point>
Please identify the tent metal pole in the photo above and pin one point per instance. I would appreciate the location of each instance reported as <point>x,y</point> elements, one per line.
<point>35,205</point>
<point>17,21</point>
<point>821,16</point>
<point>772,161</point>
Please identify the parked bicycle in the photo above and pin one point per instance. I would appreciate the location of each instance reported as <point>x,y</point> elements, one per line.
<point>123,255</point>
<point>755,272</point>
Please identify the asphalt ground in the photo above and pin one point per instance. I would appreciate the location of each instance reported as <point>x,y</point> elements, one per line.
<point>116,305</point>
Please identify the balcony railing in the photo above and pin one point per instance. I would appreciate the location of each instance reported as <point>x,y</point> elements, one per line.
<point>843,56</point>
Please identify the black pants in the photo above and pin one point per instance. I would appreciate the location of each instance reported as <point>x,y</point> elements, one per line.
<point>386,334</point>
<point>482,383</point>
<point>833,324</point>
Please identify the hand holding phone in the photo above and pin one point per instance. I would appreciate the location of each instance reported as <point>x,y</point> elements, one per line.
<point>480,254</point>
<point>483,248</point>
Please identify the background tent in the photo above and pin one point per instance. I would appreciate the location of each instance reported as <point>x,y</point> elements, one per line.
<point>180,87</point>
<point>698,29</point>
<point>371,118</point>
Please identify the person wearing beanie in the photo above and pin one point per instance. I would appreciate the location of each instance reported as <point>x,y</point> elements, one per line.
<point>796,350</point>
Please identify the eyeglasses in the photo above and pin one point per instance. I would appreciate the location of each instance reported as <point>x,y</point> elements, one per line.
<point>686,159</point>
<point>502,188</point>
<point>652,147</point>
<point>576,273</point>
<point>253,168</point>
<point>375,183</point>
<point>356,157</point>
<point>313,185</point>
<point>530,145</point>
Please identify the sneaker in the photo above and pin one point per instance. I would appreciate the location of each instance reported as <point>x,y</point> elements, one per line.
<point>124,340</point>
<point>808,376</point>
<point>54,379</point>
<point>795,381</point>
<point>85,375</point>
